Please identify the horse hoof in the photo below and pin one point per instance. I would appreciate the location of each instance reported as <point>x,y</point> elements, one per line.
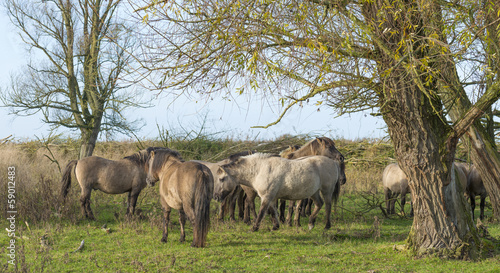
<point>163,240</point>
<point>255,228</point>
<point>276,227</point>
<point>311,226</point>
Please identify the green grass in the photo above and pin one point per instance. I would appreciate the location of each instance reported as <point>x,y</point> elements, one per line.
<point>357,242</point>
<point>354,244</point>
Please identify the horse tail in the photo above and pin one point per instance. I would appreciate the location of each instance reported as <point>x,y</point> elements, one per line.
<point>203,196</point>
<point>66,178</point>
<point>336,193</point>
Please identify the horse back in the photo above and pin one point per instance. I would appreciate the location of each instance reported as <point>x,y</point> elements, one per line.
<point>109,176</point>
<point>395,179</point>
<point>305,176</point>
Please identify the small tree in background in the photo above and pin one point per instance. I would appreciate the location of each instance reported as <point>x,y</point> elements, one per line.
<point>79,81</point>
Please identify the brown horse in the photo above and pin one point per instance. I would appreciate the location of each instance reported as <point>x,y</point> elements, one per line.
<point>109,176</point>
<point>475,187</point>
<point>318,146</point>
<point>185,186</point>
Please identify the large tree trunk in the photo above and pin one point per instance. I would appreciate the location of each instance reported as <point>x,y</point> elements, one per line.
<point>424,142</point>
<point>442,221</point>
<point>89,138</point>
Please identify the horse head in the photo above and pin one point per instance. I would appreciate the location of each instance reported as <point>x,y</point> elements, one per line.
<point>224,184</point>
<point>151,178</point>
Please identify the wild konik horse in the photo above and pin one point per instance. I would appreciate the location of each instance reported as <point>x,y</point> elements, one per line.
<point>319,146</point>
<point>109,176</point>
<point>185,186</point>
<point>273,177</point>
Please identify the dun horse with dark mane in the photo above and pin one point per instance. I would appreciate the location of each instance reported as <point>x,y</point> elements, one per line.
<point>109,176</point>
<point>185,186</point>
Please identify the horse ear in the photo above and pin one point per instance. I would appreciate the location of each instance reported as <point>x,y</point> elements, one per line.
<point>322,142</point>
<point>152,154</point>
<point>220,171</point>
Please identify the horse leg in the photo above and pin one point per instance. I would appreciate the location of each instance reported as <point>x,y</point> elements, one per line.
<point>222,207</point>
<point>309,206</point>
<point>232,207</point>
<point>291,204</point>
<point>182,222</point>
<point>166,221</point>
<point>318,202</point>
<point>303,206</point>
<point>472,198</point>
<point>296,218</point>
<point>403,202</point>
<point>264,206</point>
<point>85,203</point>
<point>250,207</point>
<point>282,210</point>
<point>188,212</point>
<point>481,206</point>
<point>387,194</point>
<point>275,219</point>
<point>241,204</point>
<point>132,201</point>
<point>328,210</point>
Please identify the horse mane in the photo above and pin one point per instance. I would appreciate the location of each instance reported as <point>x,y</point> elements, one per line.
<point>140,158</point>
<point>162,155</point>
<point>289,150</point>
<point>316,145</point>
<point>235,156</point>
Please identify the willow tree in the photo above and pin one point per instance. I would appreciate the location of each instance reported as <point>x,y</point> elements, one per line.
<point>80,56</point>
<point>393,56</point>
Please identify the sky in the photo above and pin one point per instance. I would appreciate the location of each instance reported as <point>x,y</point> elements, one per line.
<point>232,119</point>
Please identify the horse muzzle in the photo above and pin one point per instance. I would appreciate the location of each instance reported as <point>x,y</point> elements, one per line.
<point>150,181</point>
<point>219,196</point>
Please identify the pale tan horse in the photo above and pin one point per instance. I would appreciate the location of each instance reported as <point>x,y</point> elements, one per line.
<point>318,146</point>
<point>273,178</point>
<point>395,183</point>
<point>475,186</point>
<point>185,186</point>
<point>109,176</point>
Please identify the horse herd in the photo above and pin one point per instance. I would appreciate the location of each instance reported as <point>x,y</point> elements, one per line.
<point>312,173</point>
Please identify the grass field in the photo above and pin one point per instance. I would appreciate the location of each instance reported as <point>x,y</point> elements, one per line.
<point>361,238</point>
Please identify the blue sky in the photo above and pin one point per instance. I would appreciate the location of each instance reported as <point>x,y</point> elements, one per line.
<point>227,118</point>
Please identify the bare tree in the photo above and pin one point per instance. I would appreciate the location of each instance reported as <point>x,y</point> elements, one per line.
<point>396,56</point>
<point>80,79</point>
